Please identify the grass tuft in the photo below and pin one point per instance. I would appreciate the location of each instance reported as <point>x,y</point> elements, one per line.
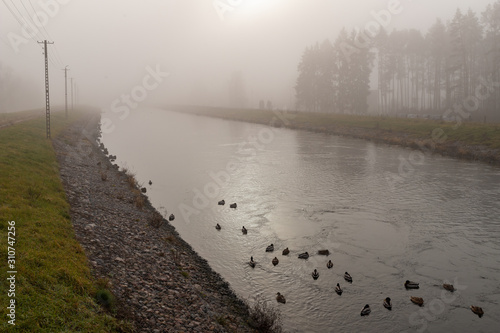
<point>265,318</point>
<point>33,193</point>
<point>106,299</point>
<point>138,199</point>
<point>156,220</point>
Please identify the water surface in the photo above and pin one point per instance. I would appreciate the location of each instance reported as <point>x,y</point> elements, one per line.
<point>430,219</point>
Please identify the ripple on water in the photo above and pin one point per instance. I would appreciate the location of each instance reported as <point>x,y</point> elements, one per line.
<point>308,192</point>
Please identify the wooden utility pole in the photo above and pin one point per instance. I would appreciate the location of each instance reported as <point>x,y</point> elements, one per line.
<point>47,100</point>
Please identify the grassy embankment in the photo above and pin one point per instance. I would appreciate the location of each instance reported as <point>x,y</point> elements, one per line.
<point>7,119</point>
<point>463,140</point>
<point>54,290</point>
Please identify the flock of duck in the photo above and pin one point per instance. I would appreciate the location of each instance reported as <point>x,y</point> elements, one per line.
<point>315,275</point>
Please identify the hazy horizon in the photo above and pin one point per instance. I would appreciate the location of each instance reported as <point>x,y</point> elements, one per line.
<point>112,47</point>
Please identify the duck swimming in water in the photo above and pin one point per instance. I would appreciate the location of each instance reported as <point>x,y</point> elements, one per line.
<point>275,261</point>
<point>329,264</point>
<point>270,248</point>
<point>150,182</point>
<point>449,287</point>
<point>244,230</point>
<point>347,277</point>
<point>366,310</point>
<point>286,251</point>
<point>477,310</point>
<point>315,274</point>
<point>233,205</point>
<point>417,300</point>
<point>171,217</point>
<point>338,290</point>
<point>251,262</point>
<point>280,298</point>
<point>222,203</point>
<point>218,227</point>
<point>411,285</point>
<point>387,303</point>
<point>304,255</point>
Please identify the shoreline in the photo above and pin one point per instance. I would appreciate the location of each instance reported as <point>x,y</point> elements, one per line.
<point>437,140</point>
<point>160,283</point>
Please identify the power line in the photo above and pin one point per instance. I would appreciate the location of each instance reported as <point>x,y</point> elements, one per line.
<point>23,19</point>
<point>20,20</point>
<point>17,19</point>
<point>23,23</point>
<point>32,21</point>
<point>58,58</point>
<point>34,12</point>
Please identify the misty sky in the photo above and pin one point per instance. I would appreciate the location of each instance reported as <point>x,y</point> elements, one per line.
<point>109,44</point>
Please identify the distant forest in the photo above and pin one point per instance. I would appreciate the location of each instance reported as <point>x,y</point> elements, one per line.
<point>454,65</point>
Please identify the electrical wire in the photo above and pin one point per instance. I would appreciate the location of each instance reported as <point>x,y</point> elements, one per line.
<point>52,59</point>
<point>20,18</point>
<point>17,19</point>
<point>56,53</point>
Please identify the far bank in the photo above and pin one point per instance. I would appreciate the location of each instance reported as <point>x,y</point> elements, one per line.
<point>459,139</point>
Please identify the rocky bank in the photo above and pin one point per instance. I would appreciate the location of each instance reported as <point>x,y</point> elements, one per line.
<point>161,284</point>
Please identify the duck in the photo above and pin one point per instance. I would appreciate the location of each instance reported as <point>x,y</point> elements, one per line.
<point>338,290</point>
<point>286,251</point>
<point>449,287</point>
<point>280,298</point>
<point>348,277</point>
<point>304,255</point>
<point>251,262</point>
<point>218,227</point>
<point>275,261</point>
<point>150,182</point>
<point>477,310</point>
<point>244,230</point>
<point>221,203</point>
<point>270,248</point>
<point>387,303</point>
<point>366,310</point>
<point>417,300</point>
<point>233,205</point>
<point>411,285</point>
<point>315,274</point>
<point>171,217</point>
<point>324,252</point>
<point>329,264</point>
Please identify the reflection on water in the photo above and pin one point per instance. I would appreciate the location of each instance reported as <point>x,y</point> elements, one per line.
<point>307,192</point>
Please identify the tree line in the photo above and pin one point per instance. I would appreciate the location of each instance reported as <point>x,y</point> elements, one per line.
<point>454,63</point>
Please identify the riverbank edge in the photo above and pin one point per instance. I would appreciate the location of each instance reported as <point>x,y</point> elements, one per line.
<point>435,142</point>
<point>50,289</point>
<point>160,283</point>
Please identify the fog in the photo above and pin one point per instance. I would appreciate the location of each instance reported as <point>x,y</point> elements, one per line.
<point>113,46</point>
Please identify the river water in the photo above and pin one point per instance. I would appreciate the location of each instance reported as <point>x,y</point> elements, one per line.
<point>386,214</point>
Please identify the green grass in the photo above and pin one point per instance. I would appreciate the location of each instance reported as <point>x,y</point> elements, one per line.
<point>9,118</point>
<point>54,288</point>
<point>388,129</point>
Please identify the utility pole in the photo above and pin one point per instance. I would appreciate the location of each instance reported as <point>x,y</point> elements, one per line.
<point>66,90</point>
<point>71,94</point>
<point>47,101</point>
